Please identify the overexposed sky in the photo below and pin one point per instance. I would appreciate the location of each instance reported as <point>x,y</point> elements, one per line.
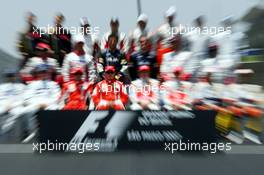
<point>99,12</point>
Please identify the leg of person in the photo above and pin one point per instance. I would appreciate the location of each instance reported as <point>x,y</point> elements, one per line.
<point>135,106</point>
<point>153,106</point>
<point>103,105</point>
<point>168,107</point>
<point>118,105</point>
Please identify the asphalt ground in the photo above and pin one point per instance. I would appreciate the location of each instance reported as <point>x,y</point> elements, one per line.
<point>131,163</point>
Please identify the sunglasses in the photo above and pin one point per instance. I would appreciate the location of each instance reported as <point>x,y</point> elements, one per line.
<point>109,72</point>
<point>78,73</point>
<point>42,49</point>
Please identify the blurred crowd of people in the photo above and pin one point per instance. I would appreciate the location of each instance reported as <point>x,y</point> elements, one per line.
<point>140,71</point>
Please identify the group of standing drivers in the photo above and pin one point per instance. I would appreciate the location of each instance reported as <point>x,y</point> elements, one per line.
<point>146,70</point>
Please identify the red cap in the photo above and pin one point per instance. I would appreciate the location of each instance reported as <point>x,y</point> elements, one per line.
<point>42,46</point>
<point>178,69</point>
<point>212,46</point>
<point>109,69</point>
<point>186,77</point>
<point>144,68</point>
<point>76,70</point>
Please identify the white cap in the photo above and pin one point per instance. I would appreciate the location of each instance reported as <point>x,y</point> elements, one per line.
<point>143,17</point>
<point>170,12</point>
<point>84,21</point>
<point>77,39</point>
<point>210,70</point>
<point>244,71</point>
<point>228,20</point>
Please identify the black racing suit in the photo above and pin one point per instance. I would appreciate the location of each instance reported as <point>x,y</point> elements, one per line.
<point>138,59</point>
<point>114,58</point>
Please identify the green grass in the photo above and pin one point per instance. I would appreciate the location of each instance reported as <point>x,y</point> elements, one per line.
<point>252,58</point>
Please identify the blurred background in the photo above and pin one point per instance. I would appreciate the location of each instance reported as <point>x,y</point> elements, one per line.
<point>247,13</point>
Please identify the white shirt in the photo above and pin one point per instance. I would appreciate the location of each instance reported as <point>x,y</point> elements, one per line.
<point>11,95</point>
<point>172,60</point>
<point>198,42</point>
<point>42,92</point>
<point>149,89</point>
<point>37,61</point>
<point>72,60</point>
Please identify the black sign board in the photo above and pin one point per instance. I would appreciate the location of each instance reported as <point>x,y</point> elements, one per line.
<point>126,130</point>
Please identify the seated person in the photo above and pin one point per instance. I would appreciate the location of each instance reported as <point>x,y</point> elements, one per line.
<point>109,93</point>
<point>144,92</point>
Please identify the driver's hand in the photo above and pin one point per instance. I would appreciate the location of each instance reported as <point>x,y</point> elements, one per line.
<point>144,104</point>
<point>43,106</point>
<point>118,76</point>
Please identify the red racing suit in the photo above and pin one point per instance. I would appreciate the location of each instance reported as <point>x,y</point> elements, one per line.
<point>110,95</point>
<point>75,95</point>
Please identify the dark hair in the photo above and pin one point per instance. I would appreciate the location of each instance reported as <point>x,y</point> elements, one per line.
<point>114,21</point>
<point>61,16</point>
<point>113,36</point>
<point>199,20</point>
<point>31,14</point>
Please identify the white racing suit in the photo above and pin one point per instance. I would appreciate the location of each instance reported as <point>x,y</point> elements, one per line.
<point>146,91</point>
<point>39,94</point>
<point>228,53</point>
<point>165,32</point>
<point>198,44</point>
<point>174,94</point>
<point>11,104</point>
<point>205,92</point>
<point>172,60</point>
<point>34,62</point>
<point>237,92</point>
<point>72,60</point>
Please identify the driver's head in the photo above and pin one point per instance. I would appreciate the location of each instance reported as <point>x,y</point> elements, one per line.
<point>170,14</point>
<point>112,41</point>
<point>145,44</point>
<point>41,72</point>
<point>114,24</point>
<point>178,72</point>
<point>199,21</point>
<point>31,18</point>
<point>227,21</point>
<point>144,72</point>
<point>212,50</point>
<point>109,73</point>
<point>84,23</point>
<point>79,46</point>
<point>78,42</point>
<point>205,76</point>
<point>142,21</point>
<point>77,73</point>
<point>59,19</point>
<point>43,50</point>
